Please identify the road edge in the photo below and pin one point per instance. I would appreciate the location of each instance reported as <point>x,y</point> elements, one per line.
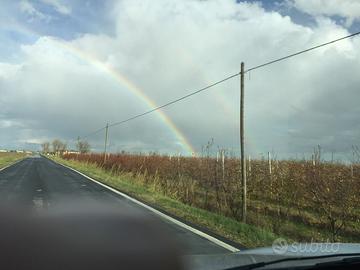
<point>12,164</point>
<point>158,212</point>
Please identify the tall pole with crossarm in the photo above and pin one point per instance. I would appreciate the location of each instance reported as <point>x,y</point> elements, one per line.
<point>106,140</point>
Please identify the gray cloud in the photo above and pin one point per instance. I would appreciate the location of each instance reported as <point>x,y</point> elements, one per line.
<point>169,48</point>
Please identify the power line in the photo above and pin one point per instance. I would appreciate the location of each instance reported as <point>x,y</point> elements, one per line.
<point>301,52</point>
<point>93,133</point>
<point>162,106</point>
<point>174,101</point>
<point>219,82</point>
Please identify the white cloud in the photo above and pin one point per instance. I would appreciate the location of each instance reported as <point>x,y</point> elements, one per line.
<point>8,123</point>
<point>59,6</point>
<point>26,7</point>
<point>8,71</point>
<point>168,48</point>
<point>348,9</point>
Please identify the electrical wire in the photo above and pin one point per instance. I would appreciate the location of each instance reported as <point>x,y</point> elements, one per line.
<point>301,52</point>
<point>219,82</point>
<point>174,101</point>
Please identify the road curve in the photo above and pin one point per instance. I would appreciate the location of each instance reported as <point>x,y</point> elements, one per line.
<point>37,182</point>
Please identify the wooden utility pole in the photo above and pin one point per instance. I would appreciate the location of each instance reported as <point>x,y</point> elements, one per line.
<point>78,144</point>
<point>243,160</point>
<point>106,140</point>
<point>269,164</point>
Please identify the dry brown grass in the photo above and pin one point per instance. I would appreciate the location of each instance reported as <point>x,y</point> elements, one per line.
<point>306,200</point>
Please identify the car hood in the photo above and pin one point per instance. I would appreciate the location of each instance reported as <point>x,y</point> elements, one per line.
<point>306,249</point>
<point>266,254</point>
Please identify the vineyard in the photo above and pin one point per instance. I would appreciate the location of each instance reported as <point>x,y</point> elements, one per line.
<point>304,200</point>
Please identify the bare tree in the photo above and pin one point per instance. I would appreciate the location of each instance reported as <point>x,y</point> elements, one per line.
<point>45,147</point>
<point>58,146</point>
<point>333,195</point>
<point>335,199</point>
<point>83,147</point>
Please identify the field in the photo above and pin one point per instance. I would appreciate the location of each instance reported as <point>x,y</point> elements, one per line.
<point>302,200</point>
<point>8,158</point>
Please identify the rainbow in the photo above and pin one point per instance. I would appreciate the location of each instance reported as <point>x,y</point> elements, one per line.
<point>125,82</point>
<point>121,79</point>
<point>131,86</point>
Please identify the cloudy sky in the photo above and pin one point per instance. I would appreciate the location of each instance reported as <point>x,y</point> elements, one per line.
<point>69,67</point>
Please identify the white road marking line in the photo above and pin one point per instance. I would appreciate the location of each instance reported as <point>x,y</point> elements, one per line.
<point>6,167</point>
<point>173,220</point>
<point>1,169</point>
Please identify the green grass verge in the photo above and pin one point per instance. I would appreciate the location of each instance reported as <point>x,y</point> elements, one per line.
<point>7,159</point>
<point>306,226</point>
<point>244,234</point>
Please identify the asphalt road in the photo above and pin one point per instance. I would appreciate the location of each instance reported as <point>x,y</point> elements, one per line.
<point>37,182</point>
